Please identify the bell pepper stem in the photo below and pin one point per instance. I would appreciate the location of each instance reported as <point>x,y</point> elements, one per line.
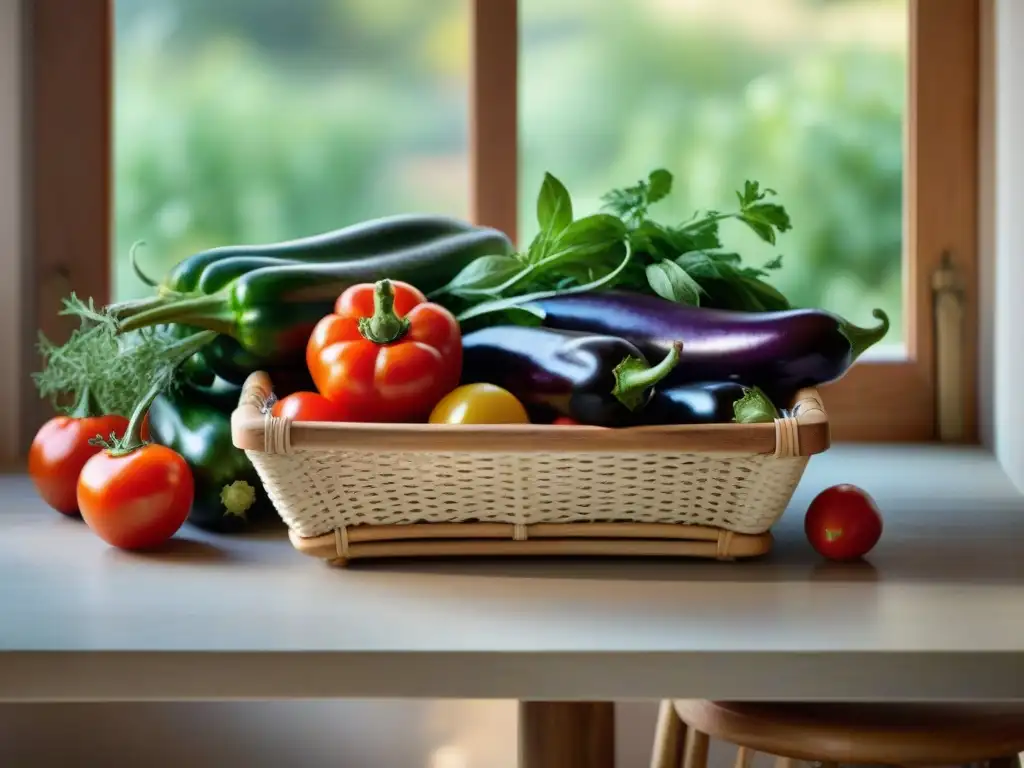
<point>132,439</point>
<point>862,338</point>
<point>634,377</point>
<point>384,326</point>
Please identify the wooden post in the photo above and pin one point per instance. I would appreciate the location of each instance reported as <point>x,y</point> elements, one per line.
<point>566,734</point>
<point>493,117</point>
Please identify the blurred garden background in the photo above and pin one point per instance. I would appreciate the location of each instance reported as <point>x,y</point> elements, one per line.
<point>251,121</point>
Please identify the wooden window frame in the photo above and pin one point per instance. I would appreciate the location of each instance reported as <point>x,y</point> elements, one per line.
<point>69,66</point>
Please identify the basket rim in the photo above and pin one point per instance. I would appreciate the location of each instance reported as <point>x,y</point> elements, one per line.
<point>804,432</point>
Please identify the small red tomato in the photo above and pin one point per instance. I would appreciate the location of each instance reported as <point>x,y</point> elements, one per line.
<point>565,421</point>
<point>60,449</point>
<point>138,499</point>
<point>843,522</point>
<point>309,406</point>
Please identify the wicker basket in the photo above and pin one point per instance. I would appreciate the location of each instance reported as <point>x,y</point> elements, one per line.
<point>354,490</point>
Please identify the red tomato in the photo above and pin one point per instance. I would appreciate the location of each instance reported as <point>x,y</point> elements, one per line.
<point>309,406</point>
<point>843,522</point>
<point>565,421</point>
<point>59,451</point>
<point>136,500</point>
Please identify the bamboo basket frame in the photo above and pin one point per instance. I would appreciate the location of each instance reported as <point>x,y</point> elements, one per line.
<point>801,432</point>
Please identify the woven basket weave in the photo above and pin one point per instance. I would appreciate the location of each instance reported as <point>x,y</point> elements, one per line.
<point>336,484</point>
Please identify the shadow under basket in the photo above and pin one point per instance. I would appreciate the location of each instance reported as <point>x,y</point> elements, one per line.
<point>350,490</point>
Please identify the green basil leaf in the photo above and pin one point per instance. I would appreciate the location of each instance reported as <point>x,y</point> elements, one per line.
<point>700,265</point>
<point>726,257</point>
<point>767,295</point>
<point>554,206</point>
<point>600,228</point>
<point>670,281</point>
<point>483,273</point>
<point>499,305</point>
<point>698,235</point>
<point>659,184</point>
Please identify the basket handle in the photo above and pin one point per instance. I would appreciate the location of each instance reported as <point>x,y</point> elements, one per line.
<point>808,407</point>
<point>251,422</point>
<point>257,393</point>
<point>806,432</point>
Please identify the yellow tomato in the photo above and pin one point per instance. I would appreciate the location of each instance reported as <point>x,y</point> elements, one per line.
<point>479,404</point>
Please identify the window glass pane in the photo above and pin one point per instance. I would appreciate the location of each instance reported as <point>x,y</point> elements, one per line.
<point>252,121</point>
<point>805,96</point>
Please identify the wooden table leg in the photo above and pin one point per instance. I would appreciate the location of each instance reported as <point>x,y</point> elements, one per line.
<point>566,734</point>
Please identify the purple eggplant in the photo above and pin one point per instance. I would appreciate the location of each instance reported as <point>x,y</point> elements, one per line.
<point>708,402</point>
<point>779,352</point>
<point>595,379</point>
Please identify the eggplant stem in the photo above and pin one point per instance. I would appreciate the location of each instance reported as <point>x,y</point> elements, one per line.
<point>862,338</point>
<point>634,376</point>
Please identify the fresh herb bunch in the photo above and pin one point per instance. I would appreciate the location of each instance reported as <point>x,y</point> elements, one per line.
<point>623,247</point>
<point>118,369</point>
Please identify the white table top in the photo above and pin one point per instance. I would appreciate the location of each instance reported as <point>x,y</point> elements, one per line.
<point>938,612</point>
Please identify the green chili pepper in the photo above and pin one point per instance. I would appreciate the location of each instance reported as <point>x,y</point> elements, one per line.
<point>271,311</point>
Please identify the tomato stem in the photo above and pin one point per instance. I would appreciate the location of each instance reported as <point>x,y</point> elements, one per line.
<point>384,326</point>
<point>85,406</point>
<point>132,439</point>
<point>832,534</point>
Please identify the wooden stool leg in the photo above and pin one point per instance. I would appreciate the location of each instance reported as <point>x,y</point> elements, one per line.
<point>696,749</point>
<point>570,734</point>
<point>668,738</point>
<point>744,757</point>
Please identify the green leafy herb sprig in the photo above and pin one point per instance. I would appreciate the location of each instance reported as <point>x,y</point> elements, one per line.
<point>117,369</point>
<point>623,247</point>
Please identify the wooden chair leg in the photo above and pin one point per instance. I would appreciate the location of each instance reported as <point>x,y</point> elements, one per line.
<point>744,757</point>
<point>669,738</point>
<point>566,734</point>
<point>696,753</point>
<point>785,762</point>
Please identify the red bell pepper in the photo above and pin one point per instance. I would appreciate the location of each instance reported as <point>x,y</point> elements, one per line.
<point>386,353</point>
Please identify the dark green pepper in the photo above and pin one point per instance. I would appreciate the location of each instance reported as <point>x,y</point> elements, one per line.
<point>196,422</point>
<point>272,311</point>
<point>211,270</point>
<point>357,241</point>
